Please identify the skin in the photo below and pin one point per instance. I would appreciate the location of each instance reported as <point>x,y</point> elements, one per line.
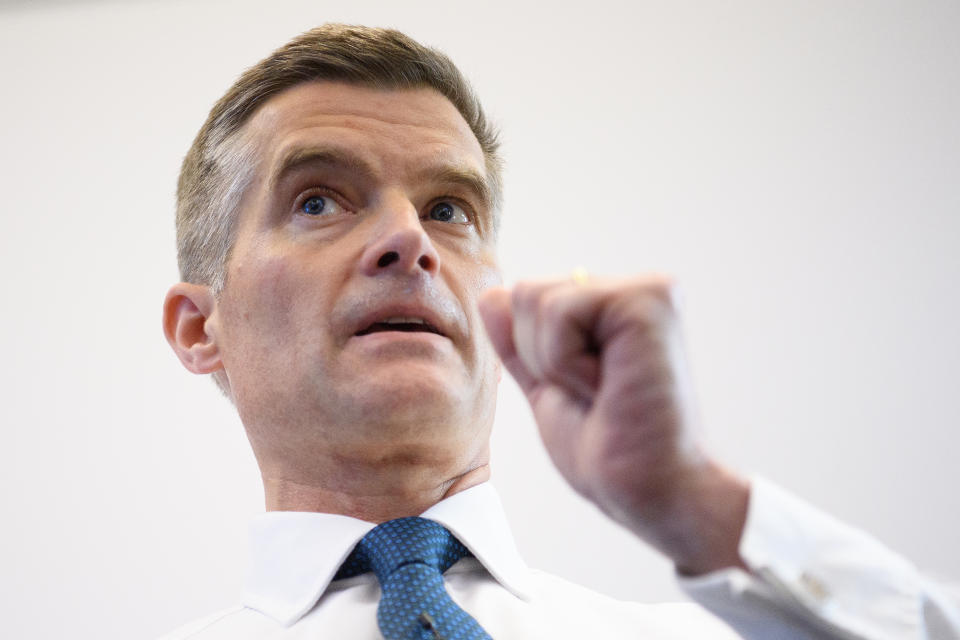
<point>602,365</point>
<point>384,425</point>
<point>378,426</point>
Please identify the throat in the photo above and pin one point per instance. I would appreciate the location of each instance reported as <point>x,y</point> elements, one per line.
<point>366,502</point>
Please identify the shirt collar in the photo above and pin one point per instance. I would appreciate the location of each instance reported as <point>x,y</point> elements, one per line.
<point>294,555</point>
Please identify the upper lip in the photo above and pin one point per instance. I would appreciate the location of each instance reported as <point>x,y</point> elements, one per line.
<point>434,321</point>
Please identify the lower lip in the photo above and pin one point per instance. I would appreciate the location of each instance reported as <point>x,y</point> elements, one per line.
<point>424,338</point>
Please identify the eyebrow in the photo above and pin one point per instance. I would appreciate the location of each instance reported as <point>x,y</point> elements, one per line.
<point>336,157</point>
<point>465,177</point>
<point>333,157</point>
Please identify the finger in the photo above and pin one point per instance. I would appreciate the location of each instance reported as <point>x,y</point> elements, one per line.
<point>643,302</point>
<point>495,309</point>
<point>566,345</point>
<point>525,304</point>
<point>554,331</point>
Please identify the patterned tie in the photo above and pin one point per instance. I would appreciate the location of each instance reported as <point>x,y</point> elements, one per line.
<point>408,556</point>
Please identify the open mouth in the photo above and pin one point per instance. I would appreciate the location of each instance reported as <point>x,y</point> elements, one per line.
<point>407,325</point>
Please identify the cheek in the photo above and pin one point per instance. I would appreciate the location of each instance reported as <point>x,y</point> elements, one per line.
<point>263,300</point>
<point>484,272</point>
<point>470,278</point>
<point>483,275</point>
<point>489,276</point>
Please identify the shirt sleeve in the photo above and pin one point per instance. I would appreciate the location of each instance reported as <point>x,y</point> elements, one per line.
<point>812,576</point>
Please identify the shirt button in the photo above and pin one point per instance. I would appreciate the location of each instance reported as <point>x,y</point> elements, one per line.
<point>814,586</point>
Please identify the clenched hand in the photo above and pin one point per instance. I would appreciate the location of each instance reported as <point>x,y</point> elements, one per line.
<point>602,365</point>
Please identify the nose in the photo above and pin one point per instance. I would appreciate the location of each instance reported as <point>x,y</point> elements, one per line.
<point>399,245</point>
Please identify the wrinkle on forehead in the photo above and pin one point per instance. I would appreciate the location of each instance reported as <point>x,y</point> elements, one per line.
<point>401,136</point>
<point>425,112</point>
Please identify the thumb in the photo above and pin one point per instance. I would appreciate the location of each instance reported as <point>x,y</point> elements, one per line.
<point>497,314</point>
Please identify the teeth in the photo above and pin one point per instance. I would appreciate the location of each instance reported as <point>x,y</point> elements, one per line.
<point>404,320</point>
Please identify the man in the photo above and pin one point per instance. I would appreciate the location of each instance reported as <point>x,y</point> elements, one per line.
<point>337,218</point>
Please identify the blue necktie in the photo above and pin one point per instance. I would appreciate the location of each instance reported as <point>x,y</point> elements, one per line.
<point>409,556</point>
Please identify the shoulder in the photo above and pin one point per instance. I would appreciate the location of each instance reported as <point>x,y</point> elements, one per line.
<point>196,628</point>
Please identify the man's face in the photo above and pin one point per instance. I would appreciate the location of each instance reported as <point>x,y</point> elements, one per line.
<point>348,324</point>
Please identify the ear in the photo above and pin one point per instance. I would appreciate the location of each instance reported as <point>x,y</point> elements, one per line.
<point>187,310</point>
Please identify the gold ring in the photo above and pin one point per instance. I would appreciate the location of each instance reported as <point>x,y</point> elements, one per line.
<point>579,275</point>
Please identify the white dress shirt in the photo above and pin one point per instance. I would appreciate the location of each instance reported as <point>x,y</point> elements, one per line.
<point>812,578</point>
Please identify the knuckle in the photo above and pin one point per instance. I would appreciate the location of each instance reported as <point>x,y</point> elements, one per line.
<point>660,285</point>
<point>668,293</point>
<point>658,296</point>
<point>526,352</point>
<point>551,356</point>
<point>553,308</point>
<point>524,295</point>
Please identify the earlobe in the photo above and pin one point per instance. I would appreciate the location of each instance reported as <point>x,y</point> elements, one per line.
<point>186,311</point>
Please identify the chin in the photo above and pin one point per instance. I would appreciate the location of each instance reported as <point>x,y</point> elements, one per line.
<point>414,403</point>
<point>411,398</point>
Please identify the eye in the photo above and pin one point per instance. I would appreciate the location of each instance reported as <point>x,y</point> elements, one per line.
<point>320,206</point>
<point>449,212</point>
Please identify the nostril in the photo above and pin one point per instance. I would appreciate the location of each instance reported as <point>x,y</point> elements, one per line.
<point>387,259</point>
<point>425,262</point>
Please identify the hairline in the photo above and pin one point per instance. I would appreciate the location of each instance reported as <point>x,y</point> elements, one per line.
<point>236,151</point>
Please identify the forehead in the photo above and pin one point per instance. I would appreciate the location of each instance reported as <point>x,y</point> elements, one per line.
<point>392,130</point>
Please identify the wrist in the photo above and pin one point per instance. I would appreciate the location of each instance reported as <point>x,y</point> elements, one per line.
<point>700,527</point>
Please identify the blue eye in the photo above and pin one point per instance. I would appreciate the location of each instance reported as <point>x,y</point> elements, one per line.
<point>448,212</point>
<point>316,205</point>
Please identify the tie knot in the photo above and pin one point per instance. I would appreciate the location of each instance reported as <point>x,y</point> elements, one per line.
<point>397,543</point>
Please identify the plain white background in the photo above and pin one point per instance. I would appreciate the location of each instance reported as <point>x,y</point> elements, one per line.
<point>795,164</point>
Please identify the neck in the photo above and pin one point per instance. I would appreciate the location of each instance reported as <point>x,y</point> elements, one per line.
<point>373,492</point>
